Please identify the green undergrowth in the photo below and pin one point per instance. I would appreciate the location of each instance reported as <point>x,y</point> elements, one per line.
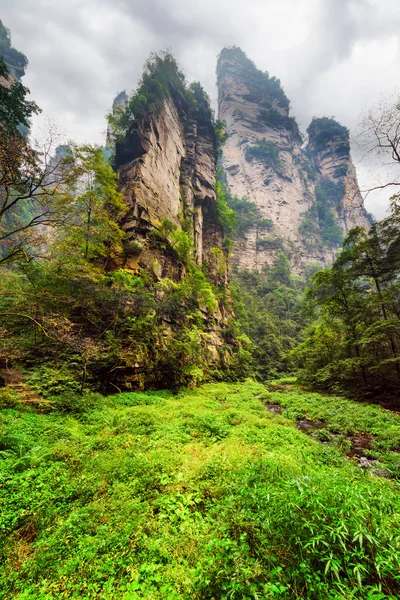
<point>343,419</point>
<point>202,494</point>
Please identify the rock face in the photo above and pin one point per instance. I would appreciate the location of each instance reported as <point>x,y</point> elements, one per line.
<point>167,168</point>
<point>167,172</point>
<point>264,160</point>
<point>329,150</point>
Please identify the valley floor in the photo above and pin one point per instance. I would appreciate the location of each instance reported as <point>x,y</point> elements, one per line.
<point>227,491</point>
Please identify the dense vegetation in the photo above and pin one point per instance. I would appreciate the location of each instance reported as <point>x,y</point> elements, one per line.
<point>271,312</point>
<point>66,302</point>
<point>191,492</point>
<point>265,151</point>
<point>319,226</point>
<point>354,344</point>
<point>161,78</point>
<point>324,130</point>
<point>203,494</point>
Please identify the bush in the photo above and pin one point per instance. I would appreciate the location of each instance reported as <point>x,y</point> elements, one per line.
<point>320,224</point>
<point>70,402</point>
<point>161,72</point>
<point>248,215</point>
<point>49,381</point>
<point>269,243</point>
<point>267,152</point>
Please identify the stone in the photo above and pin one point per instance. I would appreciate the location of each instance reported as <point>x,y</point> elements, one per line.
<point>283,192</point>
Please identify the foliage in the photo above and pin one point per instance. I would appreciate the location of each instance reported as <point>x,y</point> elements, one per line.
<point>269,243</point>
<point>325,130</point>
<point>353,346</point>
<point>15,109</point>
<point>199,101</point>
<point>161,74</point>
<point>221,133</point>
<point>341,421</point>
<point>248,215</point>
<point>319,225</point>
<point>274,118</point>
<point>9,53</point>
<point>92,206</point>
<point>198,495</point>
<point>267,152</point>
<point>269,308</point>
<point>341,171</point>
<point>226,217</point>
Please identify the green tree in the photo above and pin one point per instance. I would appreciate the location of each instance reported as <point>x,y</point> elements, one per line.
<point>92,205</point>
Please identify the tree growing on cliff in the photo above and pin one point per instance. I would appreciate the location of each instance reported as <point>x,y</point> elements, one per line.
<point>91,207</point>
<point>15,109</point>
<point>161,75</point>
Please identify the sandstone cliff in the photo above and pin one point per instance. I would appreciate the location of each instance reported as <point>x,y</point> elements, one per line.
<point>310,195</point>
<point>167,168</point>
<point>167,171</point>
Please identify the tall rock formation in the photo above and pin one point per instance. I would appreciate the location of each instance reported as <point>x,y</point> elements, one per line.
<point>308,197</point>
<point>167,171</point>
<point>167,168</point>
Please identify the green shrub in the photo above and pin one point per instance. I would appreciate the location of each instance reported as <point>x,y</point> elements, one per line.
<point>248,215</point>
<point>71,402</point>
<point>161,72</point>
<point>205,495</point>
<point>267,152</point>
<point>49,381</point>
<point>226,217</point>
<point>341,171</point>
<point>269,243</point>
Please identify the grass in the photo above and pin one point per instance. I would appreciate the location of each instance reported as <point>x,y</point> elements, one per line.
<point>200,495</point>
<point>344,418</point>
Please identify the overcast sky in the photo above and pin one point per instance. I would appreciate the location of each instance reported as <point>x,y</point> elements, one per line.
<point>334,57</point>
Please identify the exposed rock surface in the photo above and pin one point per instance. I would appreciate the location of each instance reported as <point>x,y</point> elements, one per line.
<point>167,168</point>
<point>265,161</point>
<point>331,157</point>
<point>167,171</point>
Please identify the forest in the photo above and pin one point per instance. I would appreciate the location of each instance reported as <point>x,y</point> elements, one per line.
<point>136,461</point>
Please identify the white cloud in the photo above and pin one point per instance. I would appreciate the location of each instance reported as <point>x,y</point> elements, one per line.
<point>334,57</point>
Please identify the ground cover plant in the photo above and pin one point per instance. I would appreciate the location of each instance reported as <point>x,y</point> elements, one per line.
<point>342,419</point>
<point>199,494</point>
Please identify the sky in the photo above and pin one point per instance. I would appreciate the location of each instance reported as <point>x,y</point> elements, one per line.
<point>334,57</point>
